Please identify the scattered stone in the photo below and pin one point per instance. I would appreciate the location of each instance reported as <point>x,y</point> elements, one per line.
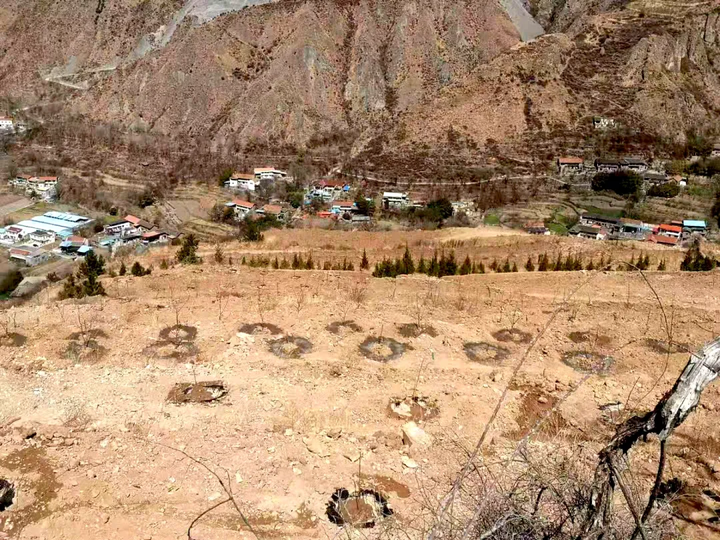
<point>202,392</point>
<point>7,494</point>
<point>413,435</point>
<point>416,408</point>
<point>316,447</point>
<point>409,462</point>
<point>612,407</point>
<point>542,399</point>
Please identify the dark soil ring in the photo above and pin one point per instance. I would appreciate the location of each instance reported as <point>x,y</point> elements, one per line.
<point>335,327</point>
<point>588,362</point>
<point>486,353</point>
<point>412,330</point>
<point>178,333</point>
<point>660,346</point>
<point>7,494</point>
<point>361,510</point>
<point>202,392</point>
<point>382,349</point>
<point>290,347</point>
<point>260,328</point>
<point>93,333</point>
<point>589,337</point>
<point>514,335</point>
<point>13,339</point>
<point>92,350</point>
<point>171,349</point>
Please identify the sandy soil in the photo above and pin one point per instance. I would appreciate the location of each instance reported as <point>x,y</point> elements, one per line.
<point>96,450</point>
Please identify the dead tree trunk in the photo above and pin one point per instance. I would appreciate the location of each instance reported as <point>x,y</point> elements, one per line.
<point>669,413</point>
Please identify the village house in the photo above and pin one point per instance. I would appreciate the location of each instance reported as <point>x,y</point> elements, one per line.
<point>600,122</point>
<point>570,165</point>
<point>269,174</point>
<point>608,165</point>
<point>41,184</point>
<point>41,238</point>
<point>241,208</point>
<point>241,181</point>
<point>592,232</point>
<point>673,231</point>
<point>607,223</point>
<point>329,190</point>
<point>6,124</point>
<point>117,228</point>
<point>670,241</point>
<point>360,219</point>
<point>692,226</point>
<point>274,210</point>
<point>716,150</point>
<point>631,227</point>
<point>634,164</point>
<point>343,207</point>
<point>536,227</point>
<point>72,244</point>
<point>29,255</point>
<point>325,215</point>
<point>155,237</point>
<point>14,234</point>
<point>654,177</point>
<point>21,180</point>
<point>395,200</point>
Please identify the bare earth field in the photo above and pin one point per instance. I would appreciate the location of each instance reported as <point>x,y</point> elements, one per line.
<point>97,450</point>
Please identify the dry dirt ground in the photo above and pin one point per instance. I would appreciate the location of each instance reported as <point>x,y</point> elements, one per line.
<point>96,449</point>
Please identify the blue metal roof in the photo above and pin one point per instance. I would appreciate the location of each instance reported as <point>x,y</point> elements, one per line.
<point>84,249</point>
<point>42,226</point>
<point>694,223</point>
<point>67,216</point>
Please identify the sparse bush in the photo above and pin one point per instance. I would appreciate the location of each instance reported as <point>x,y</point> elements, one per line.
<point>667,190</point>
<point>123,269</point>
<point>364,263</point>
<point>187,254</point>
<point>138,270</point>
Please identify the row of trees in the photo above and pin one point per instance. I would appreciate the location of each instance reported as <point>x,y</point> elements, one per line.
<point>695,261</point>
<point>296,263</point>
<point>446,265</point>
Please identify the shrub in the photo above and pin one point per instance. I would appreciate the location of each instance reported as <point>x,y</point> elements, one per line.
<point>187,254</point>
<point>138,270</point>
<point>10,282</point>
<point>624,183</point>
<point>364,263</point>
<point>219,255</point>
<point>529,266</point>
<point>667,190</point>
<point>695,261</point>
<point>92,265</point>
<point>123,269</point>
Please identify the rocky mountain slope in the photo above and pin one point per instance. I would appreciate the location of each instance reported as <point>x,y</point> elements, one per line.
<point>410,71</point>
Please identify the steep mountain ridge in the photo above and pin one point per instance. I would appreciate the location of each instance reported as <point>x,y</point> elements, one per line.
<point>405,73</point>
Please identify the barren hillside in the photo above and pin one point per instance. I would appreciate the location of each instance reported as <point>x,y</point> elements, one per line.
<point>95,435</point>
<point>402,74</point>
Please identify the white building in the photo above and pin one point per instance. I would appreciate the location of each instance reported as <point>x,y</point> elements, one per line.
<point>41,184</point>
<point>269,173</point>
<point>240,181</point>
<point>393,200</point>
<point>41,238</point>
<point>29,255</point>
<point>14,234</point>
<point>241,208</point>
<point>6,124</point>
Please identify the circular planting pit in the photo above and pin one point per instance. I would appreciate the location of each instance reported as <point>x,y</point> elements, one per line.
<point>290,347</point>
<point>512,335</point>
<point>486,353</point>
<point>7,494</point>
<point>178,333</point>
<point>171,350</point>
<point>662,347</point>
<point>412,330</point>
<point>260,329</point>
<point>361,510</point>
<point>415,408</point>
<point>589,337</point>
<point>93,333</point>
<point>588,362</point>
<point>338,327</point>
<point>382,349</point>
<point>12,339</point>
<point>90,351</point>
<point>202,392</point>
